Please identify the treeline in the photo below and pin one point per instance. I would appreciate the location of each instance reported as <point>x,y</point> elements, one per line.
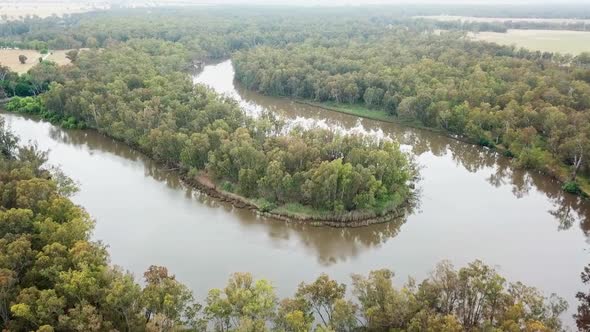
<point>533,108</point>
<point>136,93</point>
<point>53,278</point>
<point>218,31</point>
<point>212,33</point>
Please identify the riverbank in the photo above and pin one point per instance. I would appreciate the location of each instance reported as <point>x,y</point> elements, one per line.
<point>377,115</point>
<point>555,169</point>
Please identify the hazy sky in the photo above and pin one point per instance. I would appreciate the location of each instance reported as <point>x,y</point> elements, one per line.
<point>360,2</point>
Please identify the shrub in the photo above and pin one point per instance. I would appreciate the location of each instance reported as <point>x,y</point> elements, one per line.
<point>227,186</point>
<point>265,205</point>
<point>572,187</point>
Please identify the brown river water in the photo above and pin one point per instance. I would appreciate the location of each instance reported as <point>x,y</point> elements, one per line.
<point>472,205</point>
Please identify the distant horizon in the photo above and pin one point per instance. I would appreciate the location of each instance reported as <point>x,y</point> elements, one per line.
<point>379,2</point>
<point>312,2</point>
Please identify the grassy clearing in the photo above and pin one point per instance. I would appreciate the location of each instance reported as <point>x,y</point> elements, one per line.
<point>572,42</point>
<point>359,110</point>
<point>10,58</point>
<point>59,57</point>
<point>388,207</point>
<point>502,19</point>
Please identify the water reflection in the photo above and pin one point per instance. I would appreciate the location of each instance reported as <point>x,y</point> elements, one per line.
<point>342,244</point>
<point>473,205</point>
<point>518,229</point>
<point>567,209</point>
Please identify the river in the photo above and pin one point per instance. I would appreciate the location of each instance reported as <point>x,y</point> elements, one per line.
<point>473,205</point>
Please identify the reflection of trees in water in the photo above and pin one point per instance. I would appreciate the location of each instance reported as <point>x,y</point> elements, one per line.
<point>330,245</point>
<point>567,209</point>
<point>94,141</point>
<point>504,174</point>
<point>582,315</point>
<point>333,245</point>
<point>160,174</point>
<point>342,244</point>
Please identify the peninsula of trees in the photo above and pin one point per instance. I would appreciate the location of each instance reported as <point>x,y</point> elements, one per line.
<point>136,92</point>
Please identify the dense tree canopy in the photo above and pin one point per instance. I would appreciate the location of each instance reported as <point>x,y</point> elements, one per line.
<point>220,30</point>
<point>530,104</point>
<point>52,276</point>
<point>35,81</point>
<point>141,98</point>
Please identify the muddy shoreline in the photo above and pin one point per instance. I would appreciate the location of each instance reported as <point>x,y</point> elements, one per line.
<point>204,185</point>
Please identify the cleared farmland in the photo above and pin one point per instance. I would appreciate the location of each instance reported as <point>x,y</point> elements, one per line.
<point>562,41</point>
<point>10,57</point>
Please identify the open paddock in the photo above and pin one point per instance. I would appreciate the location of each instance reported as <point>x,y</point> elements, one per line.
<point>9,57</point>
<point>561,41</point>
<point>503,19</point>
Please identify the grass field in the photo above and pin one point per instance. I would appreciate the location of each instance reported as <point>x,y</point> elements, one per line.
<point>502,19</point>
<point>59,57</point>
<point>10,58</point>
<point>572,42</point>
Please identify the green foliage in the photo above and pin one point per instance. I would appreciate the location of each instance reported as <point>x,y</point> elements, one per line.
<point>491,95</point>
<point>243,302</point>
<point>265,206</point>
<point>8,141</point>
<point>227,186</point>
<point>35,106</point>
<point>52,278</point>
<point>191,128</point>
<point>572,187</point>
<point>27,105</point>
<point>34,82</point>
